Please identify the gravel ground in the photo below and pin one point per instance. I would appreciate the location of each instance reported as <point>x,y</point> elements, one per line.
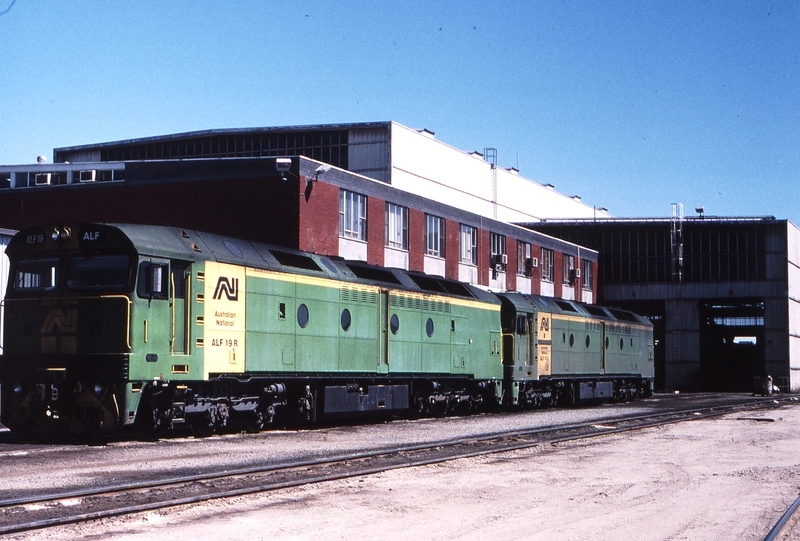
<point>729,478</point>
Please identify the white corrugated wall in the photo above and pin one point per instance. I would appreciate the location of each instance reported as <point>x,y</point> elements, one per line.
<point>793,256</point>
<point>5,236</point>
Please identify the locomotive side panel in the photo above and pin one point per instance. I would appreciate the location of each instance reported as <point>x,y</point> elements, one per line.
<point>271,323</point>
<point>317,320</point>
<point>405,334</point>
<point>361,324</point>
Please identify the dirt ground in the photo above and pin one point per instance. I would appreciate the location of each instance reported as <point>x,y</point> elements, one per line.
<point>725,479</point>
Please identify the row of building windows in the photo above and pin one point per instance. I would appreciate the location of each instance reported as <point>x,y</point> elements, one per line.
<point>353,225</point>
<point>649,253</point>
<point>329,146</point>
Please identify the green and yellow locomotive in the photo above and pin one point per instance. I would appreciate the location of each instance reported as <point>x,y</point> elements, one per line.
<point>115,325</point>
<point>111,326</point>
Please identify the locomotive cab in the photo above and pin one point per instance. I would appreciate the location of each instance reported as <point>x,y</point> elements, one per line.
<point>67,328</point>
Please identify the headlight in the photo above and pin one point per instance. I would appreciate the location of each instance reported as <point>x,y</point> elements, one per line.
<point>63,234</point>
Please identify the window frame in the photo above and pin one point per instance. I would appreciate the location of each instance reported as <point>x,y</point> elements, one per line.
<point>468,254</point>
<point>435,236</point>
<point>586,275</point>
<point>523,255</point>
<point>396,226</point>
<point>497,249</point>
<point>352,215</point>
<point>547,265</point>
<point>567,269</point>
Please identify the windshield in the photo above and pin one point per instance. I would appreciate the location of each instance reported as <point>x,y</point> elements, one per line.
<point>36,274</point>
<point>99,272</point>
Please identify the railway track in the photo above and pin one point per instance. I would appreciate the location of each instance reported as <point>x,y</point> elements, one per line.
<point>36,513</point>
<point>787,525</point>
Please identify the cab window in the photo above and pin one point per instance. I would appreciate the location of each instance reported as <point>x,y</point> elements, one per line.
<point>98,272</point>
<point>36,274</point>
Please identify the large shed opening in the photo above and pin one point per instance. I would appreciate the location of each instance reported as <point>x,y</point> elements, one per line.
<point>731,344</point>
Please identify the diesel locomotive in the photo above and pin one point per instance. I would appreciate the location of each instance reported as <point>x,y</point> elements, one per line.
<point>110,327</point>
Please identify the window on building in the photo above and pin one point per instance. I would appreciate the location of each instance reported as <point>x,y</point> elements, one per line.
<point>434,235</point>
<point>523,258</point>
<point>586,275</point>
<point>568,269</point>
<point>396,226</point>
<point>468,244</point>
<point>547,264</point>
<point>498,250</point>
<point>352,215</point>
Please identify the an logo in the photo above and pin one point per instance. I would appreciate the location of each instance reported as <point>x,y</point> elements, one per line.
<point>64,322</point>
<point>544,324</point>
<point>227,286</point>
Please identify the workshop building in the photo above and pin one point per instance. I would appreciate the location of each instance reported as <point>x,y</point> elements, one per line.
<point>723,294</point>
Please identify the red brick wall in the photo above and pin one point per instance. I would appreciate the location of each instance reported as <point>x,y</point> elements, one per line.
<point>451,249</point>
<point>376,230</point>
<point>558,277</point>
<point>319,219</point>
<point>262,209</point>
<point>484,247</point>
<point>511,268</point>
<point>416,240</point>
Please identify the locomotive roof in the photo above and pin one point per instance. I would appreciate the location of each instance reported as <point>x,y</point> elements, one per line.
<point>527,303</point>
<point>189,245</point>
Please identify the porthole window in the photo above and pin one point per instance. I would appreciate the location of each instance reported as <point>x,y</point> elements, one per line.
<point>571,340</point>
<point>588,340</point>
<point>232,248</point>
<point>394,324</point>
<point>346,319</point>
<point>429,327</point>
<point>621,343</point>
<point>302,316</point>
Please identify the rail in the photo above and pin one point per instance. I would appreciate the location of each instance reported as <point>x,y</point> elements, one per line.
<point>45,511</point>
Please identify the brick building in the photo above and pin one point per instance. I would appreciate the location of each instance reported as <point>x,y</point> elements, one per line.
<point>254,184</point>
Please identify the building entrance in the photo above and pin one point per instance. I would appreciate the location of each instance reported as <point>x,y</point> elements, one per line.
<point>731,344</point>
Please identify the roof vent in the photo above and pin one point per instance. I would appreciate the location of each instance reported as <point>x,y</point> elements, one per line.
<point>41,160</point>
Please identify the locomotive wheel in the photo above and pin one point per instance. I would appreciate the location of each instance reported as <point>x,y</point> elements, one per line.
<point>252,422</point>
<point>200,424</point>
<point>154,414</point>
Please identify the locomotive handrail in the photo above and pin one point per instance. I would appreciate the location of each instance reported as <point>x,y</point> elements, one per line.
<point>172,305</point>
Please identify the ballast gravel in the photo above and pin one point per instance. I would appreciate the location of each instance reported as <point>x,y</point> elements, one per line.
<point>719,479</point>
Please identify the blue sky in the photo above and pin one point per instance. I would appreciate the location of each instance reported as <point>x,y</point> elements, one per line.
<point>632,105</point>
